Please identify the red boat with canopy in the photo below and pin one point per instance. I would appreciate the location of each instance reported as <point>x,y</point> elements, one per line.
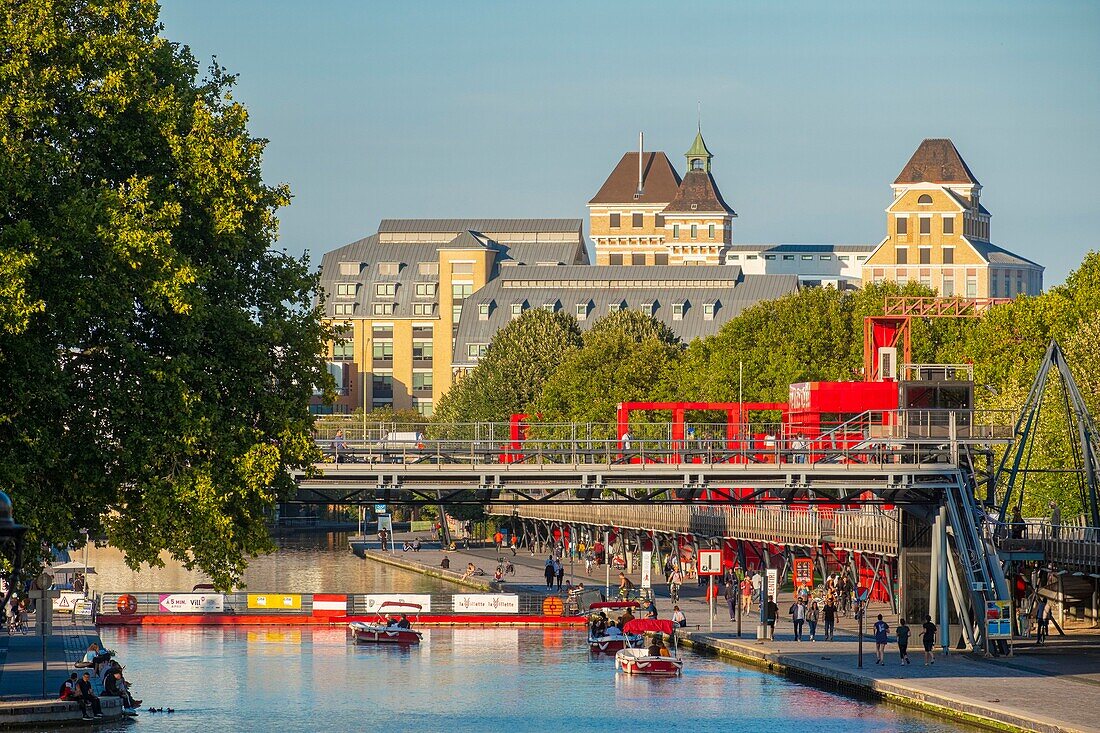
<point>385,630</point>
<point>655,660</point>
<point>600,641</point>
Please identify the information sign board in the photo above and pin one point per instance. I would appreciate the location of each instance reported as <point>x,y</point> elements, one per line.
<point>647,569</point>
<point>710,562</point>
<point>271,601</point>
<point>998,620</point>
<point>192,603</point>
<point>485,603</point>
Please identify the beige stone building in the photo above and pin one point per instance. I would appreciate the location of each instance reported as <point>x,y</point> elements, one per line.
<point>397,297</point>
<point>645,214</point>
<point>938,233</point>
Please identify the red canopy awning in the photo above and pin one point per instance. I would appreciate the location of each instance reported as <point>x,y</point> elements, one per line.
<point>643,625</point>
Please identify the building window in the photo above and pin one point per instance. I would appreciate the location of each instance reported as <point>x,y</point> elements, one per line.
<point>647,308</point>
<point>428,268</point>
<point>422,381</point>
<point>658,221</point>
<point>660,258</point>
<point>483,312</point>
<point>425,290</point>
<point>733,257</point>
<point>825,257</point>
<point>675,231</point>
<point>615,258</point>
<point>517,309</point>
<point>382,384</point>
<point>971,286</point>
<point>350,268</point>
<point>550,307</point>
<point>385,290</point>
<point>678,311</point>
<point>901,255</point>
<point>948,255</point>
<point>384,331</point>
<point>843,258</point>
<point>614,307</point>
<point>710,231</point>
<point>383,404</point>
<point>636,221</point>
<point>344,309</point>
<point>807,257</point>
<point>461,291</point>
<point>614,221</point>
<point>638,258</point>
<point>382,351</point>
<point>948,290</point>
<point>424,407</point>
<point>926,225</point>
<point>708,311</point>
<point>346,290</point>
<point>948,225</point>
<point>385,309</point>
<point>902,225</point>
<point>423,309</point>
<point>925,255</point>
<point>789,258</point>
<point>343,349</point>
<point>462,268</point>
<point>423,350</point>
<point>924,199</point>
<point>389,268</point>
<point>694,231</point>
<point>476,351</point>
<point>861,258</point>
<point>456,314</point>
<point>769,257</point>
<point>582,311</point>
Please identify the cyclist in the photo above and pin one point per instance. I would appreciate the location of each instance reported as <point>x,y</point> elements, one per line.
<point>675,580</point>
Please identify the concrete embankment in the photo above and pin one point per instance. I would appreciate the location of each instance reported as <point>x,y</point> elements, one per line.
<point>411,562</point>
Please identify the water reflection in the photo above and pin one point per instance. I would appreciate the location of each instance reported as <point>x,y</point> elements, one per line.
<point>459,679</point>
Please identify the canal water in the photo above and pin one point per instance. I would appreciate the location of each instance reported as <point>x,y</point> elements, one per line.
<point>500,680</point>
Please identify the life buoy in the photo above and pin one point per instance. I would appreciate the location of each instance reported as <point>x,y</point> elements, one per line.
<point>553,606</point>
<point>127,604</point>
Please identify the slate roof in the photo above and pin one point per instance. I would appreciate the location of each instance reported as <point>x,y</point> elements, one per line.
<point>627,286</point>
<point>513,245</point>
<point>995,255</point>
<point>936,161</point>
<point>698,193</point>
<point>659,181</point>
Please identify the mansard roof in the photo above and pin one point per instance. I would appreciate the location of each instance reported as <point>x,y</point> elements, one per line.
<point>659,181</point>
<point>936,161</point>
<point>698,193</point>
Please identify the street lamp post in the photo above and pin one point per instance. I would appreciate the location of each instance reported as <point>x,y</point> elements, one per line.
<point>10,533</point>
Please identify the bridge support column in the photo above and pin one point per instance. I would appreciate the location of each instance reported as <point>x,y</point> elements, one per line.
<point>941,579</point>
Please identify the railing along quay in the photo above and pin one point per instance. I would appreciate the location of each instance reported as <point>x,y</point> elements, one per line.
<point>872,532</point>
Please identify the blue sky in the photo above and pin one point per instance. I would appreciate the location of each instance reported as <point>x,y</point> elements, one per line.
<point>514,109</point>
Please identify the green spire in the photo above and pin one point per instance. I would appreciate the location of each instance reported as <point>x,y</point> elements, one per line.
<point>698,152</point>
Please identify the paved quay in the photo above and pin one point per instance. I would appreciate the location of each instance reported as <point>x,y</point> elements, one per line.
<point>1055,688</point>
<point>21,688</point>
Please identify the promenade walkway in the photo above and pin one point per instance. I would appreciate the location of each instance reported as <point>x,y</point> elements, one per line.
<point>1051,688</point>
<point>24,699</point>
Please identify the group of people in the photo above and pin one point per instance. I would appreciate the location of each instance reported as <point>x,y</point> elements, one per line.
<point>553,571</point>
<point>108,675</point>
<point>902,633</point>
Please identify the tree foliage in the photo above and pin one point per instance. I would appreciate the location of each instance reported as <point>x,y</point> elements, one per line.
<point>156,356</point>
<point>511,373</point>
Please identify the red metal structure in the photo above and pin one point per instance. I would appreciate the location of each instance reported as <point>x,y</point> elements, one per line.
<point>735,411</point>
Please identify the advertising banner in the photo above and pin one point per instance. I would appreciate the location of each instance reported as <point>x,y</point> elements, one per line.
<point>485,603</point>
<point>374,601</point>
<point>330,604</point>
<point>802,573</point>
<point>273,601</point>
<point>647,569</point>
<point>192,603</point>
<point>773,584</point>
<point>998,620</point>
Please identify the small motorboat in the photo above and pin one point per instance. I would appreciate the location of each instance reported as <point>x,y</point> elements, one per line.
<point>609,643</point>
<point>385,630</point>
<point>640,660</point>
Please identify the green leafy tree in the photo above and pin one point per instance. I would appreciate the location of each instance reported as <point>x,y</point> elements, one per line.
<point>511,373</point>
<point>156,355</point>
<point>626,356</point>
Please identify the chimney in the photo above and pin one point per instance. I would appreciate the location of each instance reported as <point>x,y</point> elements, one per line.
<point>641,154</point>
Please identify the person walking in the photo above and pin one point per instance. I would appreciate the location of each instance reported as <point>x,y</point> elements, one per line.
<point>559,571</point>
<point>771,613</point>
<point>338,445</point>
<point>730,595</point>
<point>813,614</point>
<point>1055,520</point>
<point>903,641</point>
<point>882,638</point>
<point>757,582</point>
<point>548,573</point>
<point>828,615</point>
<point>1042,621</point>
<point>746,593</point>
<point>797,612</point>
<point>929,639</point>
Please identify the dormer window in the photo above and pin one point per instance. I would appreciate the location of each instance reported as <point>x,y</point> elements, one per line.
<point>697,164</point>
<point>518,308</point>
<point>483,310</point>
<point>350,268</point>
<point>678,310</point>
<point>709,310</point>
<point>582,311</point>
<point>550,307</point>
<point>647,308</point>
<point>389,268</point>
<point>924,200</point>
<point>614,307</point>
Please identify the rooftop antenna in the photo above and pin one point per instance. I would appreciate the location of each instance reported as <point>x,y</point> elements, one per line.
<point>641,155</point>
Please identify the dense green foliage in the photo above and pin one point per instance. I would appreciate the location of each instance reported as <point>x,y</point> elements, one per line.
<point>156,356</point>
<point>512,372</point>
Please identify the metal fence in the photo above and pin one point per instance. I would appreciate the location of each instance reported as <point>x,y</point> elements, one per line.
<point>863,531</point>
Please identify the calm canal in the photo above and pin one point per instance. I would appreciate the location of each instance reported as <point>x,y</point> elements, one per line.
<point>479,679</point>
